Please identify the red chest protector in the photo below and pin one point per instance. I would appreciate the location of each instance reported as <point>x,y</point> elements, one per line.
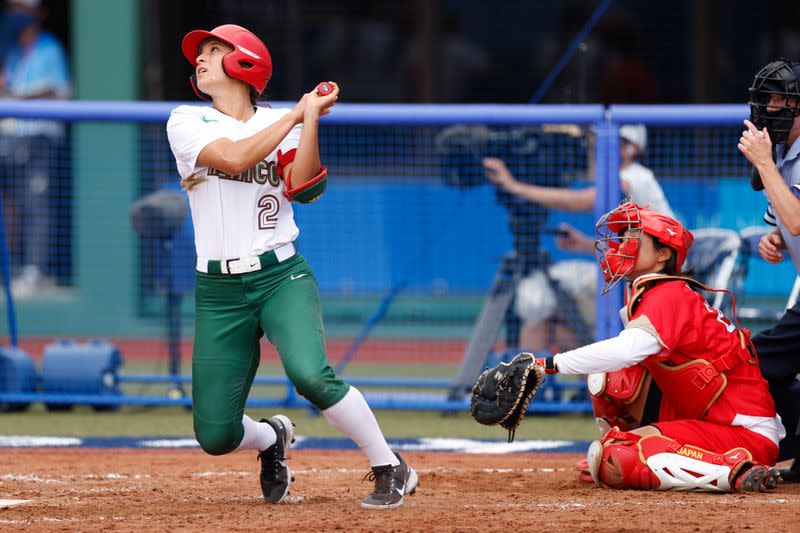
<point>692,387</point>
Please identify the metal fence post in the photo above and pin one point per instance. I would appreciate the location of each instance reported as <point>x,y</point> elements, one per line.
<point>607,197</point>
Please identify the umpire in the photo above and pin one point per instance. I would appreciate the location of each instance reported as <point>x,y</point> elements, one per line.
<point>770,144</point>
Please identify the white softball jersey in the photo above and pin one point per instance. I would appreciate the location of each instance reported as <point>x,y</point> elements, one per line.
<point>234,216</point>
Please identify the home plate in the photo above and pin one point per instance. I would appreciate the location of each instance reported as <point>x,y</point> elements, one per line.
<point>11,503</point>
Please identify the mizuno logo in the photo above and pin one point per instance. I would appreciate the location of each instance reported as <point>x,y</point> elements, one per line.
<point>297,276</point>
<point>672,233</point>
<point>207,120</point>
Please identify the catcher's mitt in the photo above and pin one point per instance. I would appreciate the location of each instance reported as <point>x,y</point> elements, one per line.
<point>501,394</point>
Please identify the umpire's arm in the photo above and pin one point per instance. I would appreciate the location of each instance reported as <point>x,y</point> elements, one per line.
<point>757,147</point>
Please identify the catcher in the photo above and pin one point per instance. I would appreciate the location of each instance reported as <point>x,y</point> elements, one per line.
<point>716,427</point>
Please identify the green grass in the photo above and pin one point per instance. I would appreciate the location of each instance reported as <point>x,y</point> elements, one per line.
<point>84,422</point>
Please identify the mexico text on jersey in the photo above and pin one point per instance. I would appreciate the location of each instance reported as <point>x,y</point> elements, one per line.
<point>239,215</point>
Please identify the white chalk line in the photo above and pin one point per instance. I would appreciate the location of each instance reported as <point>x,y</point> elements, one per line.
<point>34,478</point>
<point>47,519</point>
<point>12,503</point>
<point>29,441</point>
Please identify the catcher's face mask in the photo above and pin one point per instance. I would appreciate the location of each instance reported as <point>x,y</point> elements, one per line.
<point>621,232</point>
<point>618,246</point>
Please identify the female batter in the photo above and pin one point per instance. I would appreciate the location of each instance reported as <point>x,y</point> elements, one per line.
<point>717,429</point>
<point>242,165</point>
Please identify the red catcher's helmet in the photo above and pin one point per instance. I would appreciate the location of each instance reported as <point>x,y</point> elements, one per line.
<point>617,253</point>
<point>249,61</point>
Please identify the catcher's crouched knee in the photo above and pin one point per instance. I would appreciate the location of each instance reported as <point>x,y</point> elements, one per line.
<point>626,460</point>
<point>616,462</point>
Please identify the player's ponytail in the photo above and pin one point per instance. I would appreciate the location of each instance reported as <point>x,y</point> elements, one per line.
<point>192,180</point>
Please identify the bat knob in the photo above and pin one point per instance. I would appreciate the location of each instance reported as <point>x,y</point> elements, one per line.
<point>324,88</point>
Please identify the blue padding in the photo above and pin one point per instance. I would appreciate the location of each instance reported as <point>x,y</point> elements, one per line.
<point>17,370</point>
<point>125,111</point>
<point>681,115</point>
<point>419,234</point>
<point>81,368</point>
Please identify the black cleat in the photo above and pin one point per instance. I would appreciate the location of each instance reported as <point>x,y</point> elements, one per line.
<point>392,483</point>
<point>275,476</point>
<point>757,478</point>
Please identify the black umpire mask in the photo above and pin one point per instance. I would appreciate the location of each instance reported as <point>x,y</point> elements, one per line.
<point>780,77</point>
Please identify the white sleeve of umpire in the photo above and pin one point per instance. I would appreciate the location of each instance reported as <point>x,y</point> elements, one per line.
<point>628,348</point>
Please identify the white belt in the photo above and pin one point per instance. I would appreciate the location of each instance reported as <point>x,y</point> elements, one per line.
<point>243,265</point>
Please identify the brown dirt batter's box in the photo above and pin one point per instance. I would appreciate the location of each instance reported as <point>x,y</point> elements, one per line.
<point>186,490</point>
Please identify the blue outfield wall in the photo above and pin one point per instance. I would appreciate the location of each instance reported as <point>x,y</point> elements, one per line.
<point>418,232</point>
<point>424,232</point>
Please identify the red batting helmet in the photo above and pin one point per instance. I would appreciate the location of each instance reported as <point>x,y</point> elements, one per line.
<point>617,253</point>
<point>249,61</point>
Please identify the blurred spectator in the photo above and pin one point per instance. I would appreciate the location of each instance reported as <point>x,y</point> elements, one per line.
<point>627,77</point>
<point>535,300</point>
<point>361,48</point>
<point>35,66</point>
<point>460,63</point>
<point>782,39</point>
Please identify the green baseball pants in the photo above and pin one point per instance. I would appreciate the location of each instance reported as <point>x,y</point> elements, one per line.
<point>233,312</point>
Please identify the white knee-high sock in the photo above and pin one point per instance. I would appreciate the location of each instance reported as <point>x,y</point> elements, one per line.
<point>353,417</point>
<point>257,435</point>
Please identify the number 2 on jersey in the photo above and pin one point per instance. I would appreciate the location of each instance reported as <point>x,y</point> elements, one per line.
<point>268,214</point>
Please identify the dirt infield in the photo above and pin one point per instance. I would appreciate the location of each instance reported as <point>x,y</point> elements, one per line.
<point>185,490</point>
